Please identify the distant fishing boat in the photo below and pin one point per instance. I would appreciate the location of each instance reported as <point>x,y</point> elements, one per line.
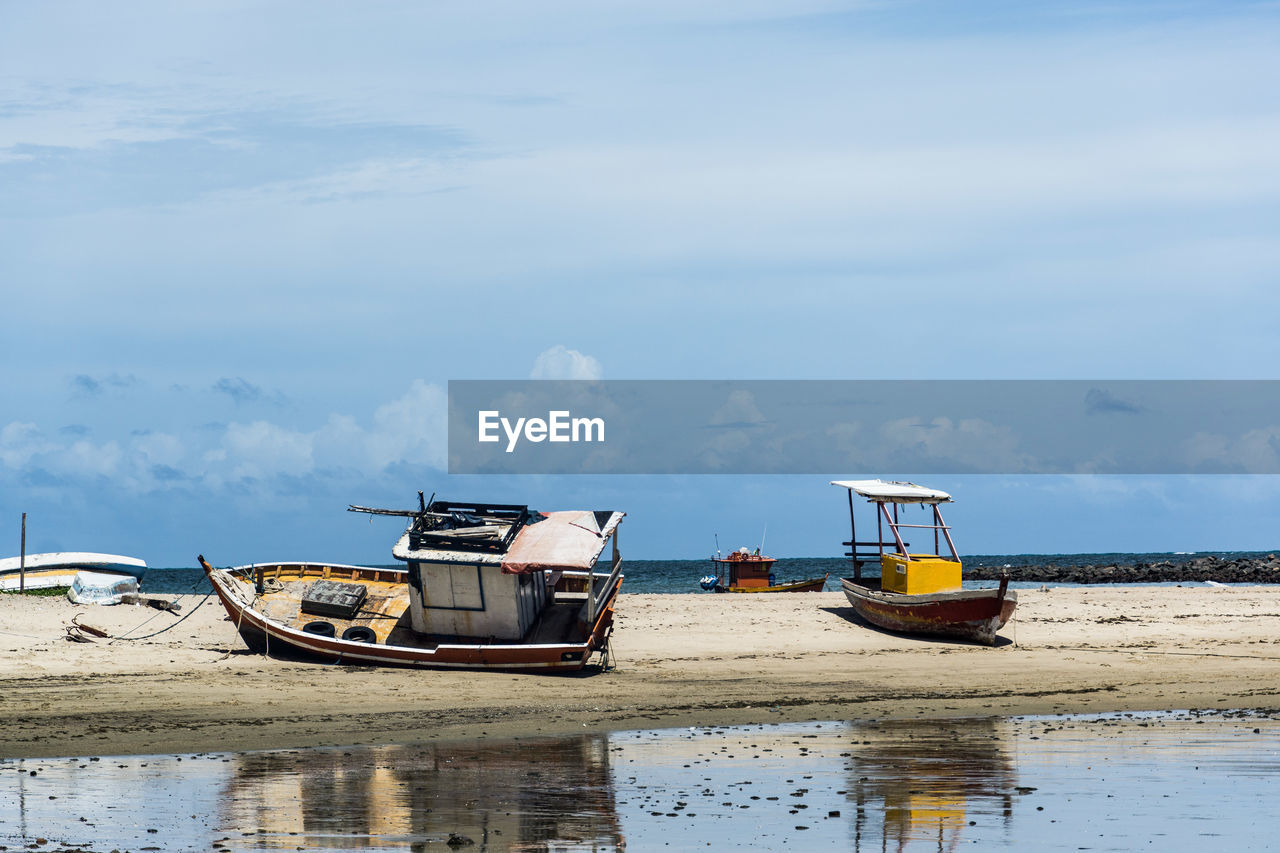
<point>918,593</point>
<point>59,568</point>
<point>745,572</point>
<point>487,586</point>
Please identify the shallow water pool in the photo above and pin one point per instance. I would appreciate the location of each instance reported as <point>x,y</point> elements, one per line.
<point>1178,781</point>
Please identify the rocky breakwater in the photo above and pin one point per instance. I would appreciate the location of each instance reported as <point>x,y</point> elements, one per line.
<point>1238,570</point>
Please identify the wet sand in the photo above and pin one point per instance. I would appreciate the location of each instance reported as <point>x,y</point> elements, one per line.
<point>681,660</point>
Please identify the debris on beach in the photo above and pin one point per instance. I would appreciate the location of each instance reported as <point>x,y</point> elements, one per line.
<point>79,632</point>
<point>101,588</point>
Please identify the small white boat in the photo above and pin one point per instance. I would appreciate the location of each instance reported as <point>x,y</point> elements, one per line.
<point>59,568</point>
<point>101,588</point>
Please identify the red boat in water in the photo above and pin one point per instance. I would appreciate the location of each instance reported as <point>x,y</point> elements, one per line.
<point>918,593</point>
<point>744,572</point>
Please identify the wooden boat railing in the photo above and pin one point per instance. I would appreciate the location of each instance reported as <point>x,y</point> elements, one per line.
<point>598,594</point>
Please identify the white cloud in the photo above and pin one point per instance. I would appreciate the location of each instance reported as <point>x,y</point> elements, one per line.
<point>969,442</point>
<point>560,362</point>
<point>85,457</point>
<point>157,448</point>
<point>19,442</point>
<point>738,408</point>
<point>412,429</point>
<point>409,430</point>
<point>23,446</point>
<point>260,450</point>
<point>1256,451</point>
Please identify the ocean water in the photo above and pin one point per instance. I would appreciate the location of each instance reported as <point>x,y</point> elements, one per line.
<point>681,576</point>
<point>1170,782</point>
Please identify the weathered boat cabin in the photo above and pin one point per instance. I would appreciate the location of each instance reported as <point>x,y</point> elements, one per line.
<point>489,571</point>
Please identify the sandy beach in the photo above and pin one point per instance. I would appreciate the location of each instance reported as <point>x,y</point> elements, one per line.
<point>680,660</point>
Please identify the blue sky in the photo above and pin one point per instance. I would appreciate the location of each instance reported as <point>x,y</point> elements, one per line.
<point>243,247</point>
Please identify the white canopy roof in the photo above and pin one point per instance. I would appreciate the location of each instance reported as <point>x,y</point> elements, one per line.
<point>893,492</point>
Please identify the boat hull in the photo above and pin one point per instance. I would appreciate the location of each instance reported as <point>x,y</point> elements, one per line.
<point>276,637</point>
<point>58,569</point>
<point>810,585</point>
<point>973,615</point>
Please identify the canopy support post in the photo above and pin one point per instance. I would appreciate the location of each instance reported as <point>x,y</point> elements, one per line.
<point>880,516</point>
<point>946,531</point>
<point>897,537</point>
<point>937,520</point>
<point>853,542</point>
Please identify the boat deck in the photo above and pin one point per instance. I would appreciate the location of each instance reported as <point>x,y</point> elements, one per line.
<point>385,610</point>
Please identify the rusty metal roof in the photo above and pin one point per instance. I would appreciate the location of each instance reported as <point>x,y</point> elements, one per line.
<point>571,539</point>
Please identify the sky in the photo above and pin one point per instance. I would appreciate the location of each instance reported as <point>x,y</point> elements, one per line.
<point>244,246</point>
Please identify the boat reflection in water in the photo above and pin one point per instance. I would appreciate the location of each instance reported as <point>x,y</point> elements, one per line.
<point>924,779</point>
<point>1193,781</point>
<point>528,795</point>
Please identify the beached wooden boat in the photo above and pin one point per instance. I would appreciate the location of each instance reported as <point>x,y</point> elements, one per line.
<point>486,586</point>
<point>59,568</point>
<point>918,593</point>
<point>974,615</point>
<point>744,572</point>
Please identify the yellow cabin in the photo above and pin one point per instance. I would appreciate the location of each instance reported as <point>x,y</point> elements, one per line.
<point>922,573</point>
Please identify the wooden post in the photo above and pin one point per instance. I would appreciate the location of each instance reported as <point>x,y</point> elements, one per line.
<point>880,530</point>
<point>853,542</point>
<point>946,531</point>
<point>22,558</point>
<point>893,525</point>
<point>591,598</point>
<point>937,520</point>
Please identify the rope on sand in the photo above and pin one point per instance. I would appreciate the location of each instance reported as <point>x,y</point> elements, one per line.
<point>126,636</point>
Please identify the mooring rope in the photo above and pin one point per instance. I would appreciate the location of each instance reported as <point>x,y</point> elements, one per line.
<point>192,590</point>
<point>162,630</point>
